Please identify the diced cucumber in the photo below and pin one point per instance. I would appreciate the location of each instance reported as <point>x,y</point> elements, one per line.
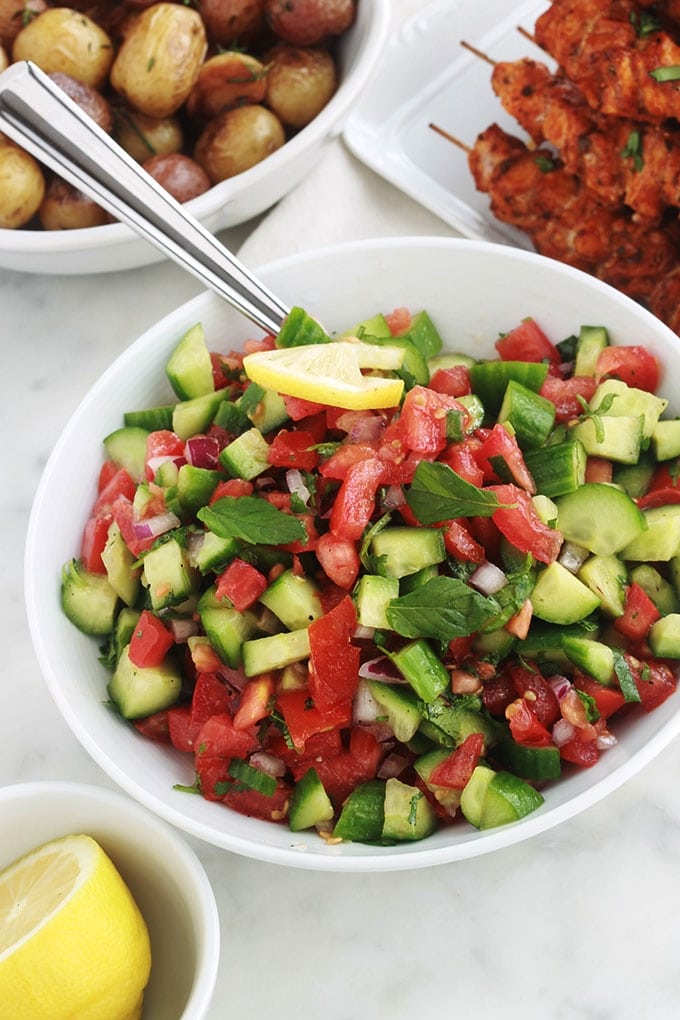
<point>559,597</point>
<point>126,447</point>
<point>268,413</point>
<point>449,361</point>
<point>275,651</point>
<point>190,417</point>
<point>189,367</point>
<point>372,595</point>
<point>363,814</point>
<point>557,469</point>
<point>592,340</point>
<point>88,600</point>
<point>600,517</point>
<point>247,456</point>
<point>540,764</point>
<point>403,550</point>
<point>124,628</point>
<point>614,438</point>
<point>168,575</point>
<point>225,626</point>
<point>664,637</point>
<point>661,592</point>
<point>497,798</point>
<point>413,364</point>
<point>448,797</point>
<point>423,669</point>
<point>123,576</point>
<point>489,380</point>
<point>408,814</point>
<point>152,419</point>
<point>300,328</point>
<point>195,486</point>
<point>531,415</point>
<point>607,577</point>
<point>545,508</point>
<point>592,657</point>
<point>666,439</point>
<point>629,402</point>
<point>457,721</point>
<point>410,582</point>
<point>310,805</point>
<point>137,691</point>
<point>634,479</point>
<point>294,599</point>
<point>660,541</point>
<point>493,645</point>
<point>213,552</point>
<point>544,642</point>
<point>424,335</point>
<point>398,707</point>
<point>376,326</point>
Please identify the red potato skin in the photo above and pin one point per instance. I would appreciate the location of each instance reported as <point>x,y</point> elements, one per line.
<point>307,22</point>
<point>230,21</point>
<point>178,174</point>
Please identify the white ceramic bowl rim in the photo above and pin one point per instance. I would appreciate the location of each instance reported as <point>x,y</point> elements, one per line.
<point>329,120</point>
<point>650,733</point>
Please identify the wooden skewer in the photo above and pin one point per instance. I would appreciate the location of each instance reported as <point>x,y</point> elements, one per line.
<point>526,34</point>
<point>450,138</point>
<point>476,52</point>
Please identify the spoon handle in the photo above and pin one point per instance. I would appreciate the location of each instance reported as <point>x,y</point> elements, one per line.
<point>40,117</point>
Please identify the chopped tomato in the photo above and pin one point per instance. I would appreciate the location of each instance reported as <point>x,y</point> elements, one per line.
<point>346,455</point>
<point>633,365</point>
<point>354,502</point>
<point>659,497</point>
<point>497,693</point>
<point>535,690</point>
<point>234,487</point>
<point>178,727</point>
<point>241,583</point>
<point>333,659</point>
<point>461,545</point>
<point>638,615</point>
<point>254,705</point>
<point>303,719</point>
<point>599,469</point>
<point>398,320</point>
<point>422,424</point>
<point>120,484</point>
<point>211,697</point>
<point>212,772</point>
<point>522,526</point>
<point>218,736</point>
<point>293,449</point>
<point>94,539</point>
<point>162,445</point>
<point>298,408</point>
<point>106,473</point>
<point>565,394</point>
<point>254,804</point>
<point>455,771</point>
<point>454,381</point>
<point>461,458</point>
<point>500,450</point>
<point>608,700</point>
<point>580,752</point>
<point>339,560</point>
<point>155,726</point>
<point>525,726</point>
<point>655,682</point>
<point>527,342</point>
<point>366,749</point>
<point>150,642</point>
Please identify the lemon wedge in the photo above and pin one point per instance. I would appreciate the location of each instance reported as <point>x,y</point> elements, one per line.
<point>330,373</point>
<point>73,942</point>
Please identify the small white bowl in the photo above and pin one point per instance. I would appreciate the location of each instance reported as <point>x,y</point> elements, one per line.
<point>115,246</point>
<point>474,291</point>
<point>164,875</point>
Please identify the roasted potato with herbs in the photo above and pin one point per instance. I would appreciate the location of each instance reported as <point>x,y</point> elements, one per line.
<point>197,91</point>
<point>61,39</point>
<point>300,81</point>
<point>159,60</point>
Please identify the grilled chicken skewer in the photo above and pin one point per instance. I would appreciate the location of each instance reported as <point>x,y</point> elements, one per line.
<point>532,191</point>
<point>621,63</point>
<point>621,160</point>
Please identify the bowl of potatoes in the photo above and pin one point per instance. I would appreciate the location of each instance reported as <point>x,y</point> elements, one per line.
<point>226,103</point>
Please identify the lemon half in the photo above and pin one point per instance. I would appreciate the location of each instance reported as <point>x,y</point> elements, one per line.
<point>330,373</point>
<point>73,943</point>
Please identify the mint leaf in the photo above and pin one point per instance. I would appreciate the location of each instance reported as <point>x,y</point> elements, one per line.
<point>251,778</point>
<point>443,608</point>
<point>252,520</point>
<point>624,675</point>
<point>438,493</point>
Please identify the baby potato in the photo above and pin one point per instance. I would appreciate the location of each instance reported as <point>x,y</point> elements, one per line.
<point>178,174</point>
<point>66,208</point>
<point>14,14</point>
<point>88,99</point>
<point>22,185</point>
<point>229,21</point>
<point>226,80</point>
<point>65,40</point>
<point>159,60</point>
<point>4,59</point>
<point>307,22</point>
<point>238,139</point>
<point>300,82</point>
<point>144,137</point>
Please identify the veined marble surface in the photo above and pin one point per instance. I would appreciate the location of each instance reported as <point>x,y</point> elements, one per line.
<point>580,923</point>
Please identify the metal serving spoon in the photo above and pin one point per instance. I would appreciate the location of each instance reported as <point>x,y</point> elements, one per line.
<point>40,117</point>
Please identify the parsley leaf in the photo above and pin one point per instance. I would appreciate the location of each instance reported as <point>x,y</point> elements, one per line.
<point>443,608</point>
<point>437,493</point>
<point>252,520</point>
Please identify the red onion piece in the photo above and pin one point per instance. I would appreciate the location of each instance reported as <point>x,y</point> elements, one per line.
<point>361,426</point>
<point>183,628</point>
<point>268,763</point>
<point>488,578</point>
<point>365,708</point>
<point>203,452</point>
<point>381,668</point>
<point>296,485</point>
<point>562,732</point>
<point>394,497</point>
<point>606,740</point>
<point>393,766</point>
<point>152,527</point>
<point>560,685</point>
<point>572,556</point>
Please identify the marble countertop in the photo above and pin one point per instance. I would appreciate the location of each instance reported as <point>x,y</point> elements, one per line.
<point>580,922</point>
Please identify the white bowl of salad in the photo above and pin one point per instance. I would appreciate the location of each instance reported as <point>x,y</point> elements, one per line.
<point>396,588</point>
